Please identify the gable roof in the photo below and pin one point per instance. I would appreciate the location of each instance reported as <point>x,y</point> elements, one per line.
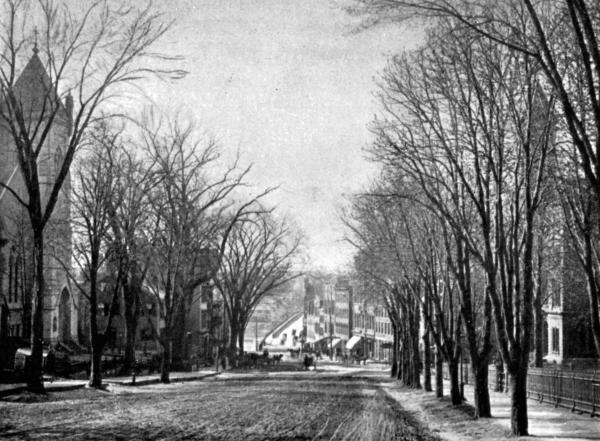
<point>34,90</point>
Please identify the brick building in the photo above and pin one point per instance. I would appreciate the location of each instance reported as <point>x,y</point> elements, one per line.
<point>150,319</point>
<point>340,318</point>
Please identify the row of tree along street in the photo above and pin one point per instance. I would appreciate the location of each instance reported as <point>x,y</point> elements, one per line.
<point>490,162</point>
<point>151,202</point>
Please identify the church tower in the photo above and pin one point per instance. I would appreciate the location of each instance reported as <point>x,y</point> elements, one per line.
<point>39,101</point>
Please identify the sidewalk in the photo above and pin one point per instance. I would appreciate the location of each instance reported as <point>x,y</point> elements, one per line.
<point>454,423</point>
<point>62,384</point>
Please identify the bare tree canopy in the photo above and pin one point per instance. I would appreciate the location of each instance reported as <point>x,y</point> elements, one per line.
<point>82,56</point>
<point>194,212</point>
<point>466,122</point>
<point>258,259</point>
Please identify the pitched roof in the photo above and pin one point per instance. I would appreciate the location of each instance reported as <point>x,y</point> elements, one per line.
<point>34,90</point>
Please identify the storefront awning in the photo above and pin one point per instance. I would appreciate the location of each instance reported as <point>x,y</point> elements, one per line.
<point>319,340</point>
<point>353,341</point>
<point>335,342</point>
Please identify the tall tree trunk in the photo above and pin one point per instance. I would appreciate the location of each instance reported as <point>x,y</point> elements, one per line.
<point>538,329</point>
<point>165,364</point>
<point>538,313</point>
<point>241,340</point>
<point>481,389</point>
<point>518,369</point>
<point>591,270</point>
<point>427,345</point>
<point>96,367</point>
<point>592,286</point>
<point>518,395</point>
<point>233,339</point>
<point>394,370</point>
<point>402,348</point>
<point>35,381</point>
<point>414,340</point>
<point>439,373</point>
<point>399,371</point>
<point>130,338</point>
<point>595,314</point>
<point>479,352</point>
<point>426,362</point>
<point>131,300</point>
<point>26,322</point>
<point>95,371</point>
<point>499,364</point>
<point>404,357</point>
<point>180,340</point>
<point>455,394</point>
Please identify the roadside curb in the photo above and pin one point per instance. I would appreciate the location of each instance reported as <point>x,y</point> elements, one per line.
<point>67,387</point>
<point>149,381</point>
<point>12,391</point>
<point>49,388</point>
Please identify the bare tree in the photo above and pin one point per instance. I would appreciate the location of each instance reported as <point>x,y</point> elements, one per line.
<point>561,37</point>
<point>466,121</point>
<point>418,246</point>
<point>87,56</point>
<point>194,214</point>
<point>131,234</point>
<point>20,264</point>
<point>258,259</point>
<point>384,260</point>
<point>91,201</point>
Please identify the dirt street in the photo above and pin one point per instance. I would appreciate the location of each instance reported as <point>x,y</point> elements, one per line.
<point>293,406</point>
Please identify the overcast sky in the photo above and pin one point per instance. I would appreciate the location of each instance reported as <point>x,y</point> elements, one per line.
<point>290,85</point>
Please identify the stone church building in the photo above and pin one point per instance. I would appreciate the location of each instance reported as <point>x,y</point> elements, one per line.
<point>33,89</point>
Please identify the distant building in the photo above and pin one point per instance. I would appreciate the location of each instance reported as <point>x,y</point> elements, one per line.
<point>320,330</point>
<point>286,336</point>
<point>342,293</point>
<point>206,324</point>
<point>372,335</point>
<point>149,325</point>
<point>273,309</point>
<point>317,314</point>
<point>341,319</point>
<point>372,331</point>
<point>567,329</point>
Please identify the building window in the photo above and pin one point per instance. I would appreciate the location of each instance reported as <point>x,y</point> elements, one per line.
<point>555,340</point>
